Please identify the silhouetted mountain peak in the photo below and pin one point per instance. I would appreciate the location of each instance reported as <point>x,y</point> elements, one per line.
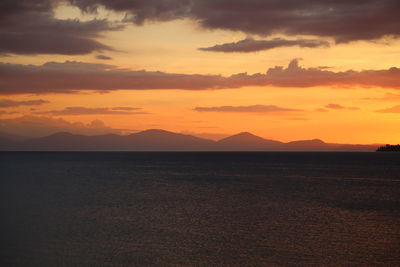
<point>245,137</point>
<point>150,131</point>
<point>246,134</point>
<point>246,141</point>
<point>312,142</point>
<point>154,132</point>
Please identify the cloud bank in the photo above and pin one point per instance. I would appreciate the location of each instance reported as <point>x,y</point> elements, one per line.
<point>344,21</point>
<point>71,77</point>
<point>30,26</point>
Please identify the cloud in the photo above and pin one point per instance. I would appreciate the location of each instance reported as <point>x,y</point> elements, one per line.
<point>395,109</point>
<point>248,109</point>
<point>29,27</point>
<point>37,126</point>
<point>250,45</point>
<point>72,76</point>
<point>343,21</point>
<point>8,103</point>
<point>93,111</point>
<point>387,97</point>
<point>321,110</point>
<point>338,106</point>
<point>103,57</point>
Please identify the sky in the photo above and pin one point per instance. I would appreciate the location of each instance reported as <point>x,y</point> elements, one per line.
<point>284,70</point>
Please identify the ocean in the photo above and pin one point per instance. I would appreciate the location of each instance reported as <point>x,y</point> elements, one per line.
<point>200,209</point>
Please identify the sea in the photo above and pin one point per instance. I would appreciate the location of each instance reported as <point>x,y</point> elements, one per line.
<point>200,209</point>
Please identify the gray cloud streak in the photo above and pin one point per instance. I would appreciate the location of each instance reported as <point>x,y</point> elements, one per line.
<point>248,109</point>
<point>93,111</point>
<point>250,45</point>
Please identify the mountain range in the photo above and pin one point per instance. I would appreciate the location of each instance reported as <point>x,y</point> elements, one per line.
<point>161,140</point>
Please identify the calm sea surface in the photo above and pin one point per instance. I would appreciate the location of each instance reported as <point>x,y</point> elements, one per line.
<point>200,209</point>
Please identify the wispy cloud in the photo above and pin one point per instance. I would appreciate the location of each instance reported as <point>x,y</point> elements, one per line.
<point>103,57</point>
<point>251,45</point>
<point>9,103</point>
<point>94,111</point>
<point>338,106</point>
<point>395,109</point>
<point>248,109</point>
<point>386,97</point>
<point>321,110</point>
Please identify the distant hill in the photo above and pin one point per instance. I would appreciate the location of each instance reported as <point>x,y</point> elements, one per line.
<point>149,140</point>
<point>161,140</point>
<point>9,141</point>
<point>247,141</point>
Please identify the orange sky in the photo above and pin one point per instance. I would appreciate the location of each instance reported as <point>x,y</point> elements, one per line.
<point>342,113</point>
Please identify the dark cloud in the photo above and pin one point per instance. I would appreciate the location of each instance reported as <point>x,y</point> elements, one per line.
<point>8,103</point>
<point>395,109</point>
<point>250,45</point>
<point>93,111</point>
<point>103,57</point>
<point>29,27</point>
<point>338,106</point>
<point>344,20</point>
<point>139,11</point>
<point>71,76</point>
<point>248,109</point>
<point>321,110</point>
<point>37,126</point>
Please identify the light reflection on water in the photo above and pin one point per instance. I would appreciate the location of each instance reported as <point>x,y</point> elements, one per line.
<point>121,209</point>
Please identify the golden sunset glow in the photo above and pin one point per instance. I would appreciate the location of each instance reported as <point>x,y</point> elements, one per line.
<point>339,110</point>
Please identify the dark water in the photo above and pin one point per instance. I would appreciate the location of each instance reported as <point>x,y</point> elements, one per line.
<point>200,209</point>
